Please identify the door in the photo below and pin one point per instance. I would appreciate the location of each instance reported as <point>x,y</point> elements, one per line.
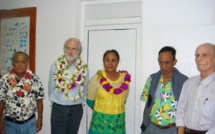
<point>125,42</point>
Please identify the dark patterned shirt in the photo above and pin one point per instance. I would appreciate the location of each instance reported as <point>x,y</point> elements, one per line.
<point>16,106</point>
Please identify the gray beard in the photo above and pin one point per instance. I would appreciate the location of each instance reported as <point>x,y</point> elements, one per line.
<point>71,58</point>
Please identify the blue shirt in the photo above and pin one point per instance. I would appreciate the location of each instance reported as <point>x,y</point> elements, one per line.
<point>58,96</point>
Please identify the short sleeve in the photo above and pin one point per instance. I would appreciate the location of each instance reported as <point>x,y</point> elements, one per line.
<point>145,93</point>
<point>92,88</point>
<point>38,87</point>
<point>3,88</point>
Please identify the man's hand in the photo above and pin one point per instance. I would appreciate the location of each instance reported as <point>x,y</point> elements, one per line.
<point>1,118</point>
<point>181,130</point>
<point>39,125</point>
<point>1,128</point>
<point>92,107</point>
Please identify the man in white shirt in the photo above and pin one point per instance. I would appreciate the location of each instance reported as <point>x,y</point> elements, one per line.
<point>196,106</point>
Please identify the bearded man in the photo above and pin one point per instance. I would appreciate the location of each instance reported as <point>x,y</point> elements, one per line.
<point>67,89</point>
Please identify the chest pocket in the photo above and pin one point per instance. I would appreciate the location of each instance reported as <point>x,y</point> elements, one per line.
<point>208,110</point>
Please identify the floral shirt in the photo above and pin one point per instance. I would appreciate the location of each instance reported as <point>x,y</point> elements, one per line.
<point>16,106</point>
<point>164,104</point>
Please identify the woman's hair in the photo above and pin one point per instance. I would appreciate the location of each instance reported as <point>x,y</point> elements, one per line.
<point>111,51</point>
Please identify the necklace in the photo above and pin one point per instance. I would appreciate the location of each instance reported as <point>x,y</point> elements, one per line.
<point>22,87</point>
<point>66,81</point>
<point>106,85</point>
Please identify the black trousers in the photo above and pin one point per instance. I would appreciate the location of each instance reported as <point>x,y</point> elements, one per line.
<point>194,133</point>
<point>66,119</point>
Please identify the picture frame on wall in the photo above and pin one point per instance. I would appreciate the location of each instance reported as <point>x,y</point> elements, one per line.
<point>17,33</point>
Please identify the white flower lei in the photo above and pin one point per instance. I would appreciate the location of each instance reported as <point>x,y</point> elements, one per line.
<point>66,81</point>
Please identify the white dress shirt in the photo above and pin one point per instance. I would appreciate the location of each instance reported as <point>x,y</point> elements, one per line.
<point>196,105</point>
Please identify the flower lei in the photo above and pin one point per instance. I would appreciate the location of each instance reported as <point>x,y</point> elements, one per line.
<point>24,86</point>
<point>66,81</point>
<point>106,85</point>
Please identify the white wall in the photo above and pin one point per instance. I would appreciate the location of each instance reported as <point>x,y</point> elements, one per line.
<point>171,15</point>
<point>175,23</point>
<point>56,22</point>
<point>183,24</point>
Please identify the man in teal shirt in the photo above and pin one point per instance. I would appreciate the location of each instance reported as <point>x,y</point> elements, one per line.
<point>161,93</point>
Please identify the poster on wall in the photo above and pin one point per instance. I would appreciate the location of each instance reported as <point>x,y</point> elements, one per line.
<point>14,38</point>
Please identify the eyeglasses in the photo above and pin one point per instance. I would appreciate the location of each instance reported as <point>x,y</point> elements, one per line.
<point>73,49</point>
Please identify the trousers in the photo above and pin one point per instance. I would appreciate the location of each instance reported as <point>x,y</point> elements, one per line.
<point>26,128</point>
<point>66,119</point>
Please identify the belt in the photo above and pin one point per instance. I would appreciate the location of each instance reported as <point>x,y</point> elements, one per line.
<point>19,122</point>
<point>165,127</point>
<point>194,131</point>
<point>76,105</point>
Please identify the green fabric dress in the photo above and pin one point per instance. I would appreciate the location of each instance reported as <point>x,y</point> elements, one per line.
<point>109,109</point>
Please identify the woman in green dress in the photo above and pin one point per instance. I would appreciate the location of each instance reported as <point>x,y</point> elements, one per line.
<point>107,94</point>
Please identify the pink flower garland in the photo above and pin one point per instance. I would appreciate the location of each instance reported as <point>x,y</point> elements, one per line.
<point>13,83</point>
<point>106,85</point>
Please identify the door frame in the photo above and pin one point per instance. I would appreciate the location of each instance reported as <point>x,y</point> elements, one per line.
<point>108,24</point>
<point>137,78</point>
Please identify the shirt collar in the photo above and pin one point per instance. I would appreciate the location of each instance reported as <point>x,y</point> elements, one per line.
<point>208,79</point>
<point>161,79</point>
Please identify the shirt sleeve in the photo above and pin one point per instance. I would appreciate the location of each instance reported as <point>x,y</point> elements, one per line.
<point>86,83</point>
<point>39,87</point>
<point>182,102</point>
<point>3,89</point>
<point>211,131</point>
<point>92,88</point>
<point>145,93</point>
<point>51,84</point>
<point>126,93</point>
